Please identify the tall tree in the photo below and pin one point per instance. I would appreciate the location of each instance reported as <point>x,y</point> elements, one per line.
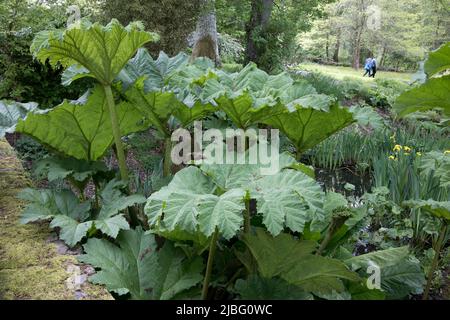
<point>173,20</point>
<point>206,38</point>
<point>360,21</point>
<point>259,21</point>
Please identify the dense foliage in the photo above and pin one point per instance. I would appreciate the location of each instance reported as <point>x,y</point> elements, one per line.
<point>398,34</point>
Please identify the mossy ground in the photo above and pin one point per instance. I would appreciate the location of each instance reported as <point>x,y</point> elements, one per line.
<point>30,266</point>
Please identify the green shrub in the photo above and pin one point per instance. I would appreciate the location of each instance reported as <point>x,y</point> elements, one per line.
<point>232,67</point>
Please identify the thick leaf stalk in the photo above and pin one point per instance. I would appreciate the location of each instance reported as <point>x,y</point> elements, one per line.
<point>116,133</point>
<point>247,218</point>
<point>338,220</point>
<point>212,252</point>
<point>167,161</point>
<point>434,264</point>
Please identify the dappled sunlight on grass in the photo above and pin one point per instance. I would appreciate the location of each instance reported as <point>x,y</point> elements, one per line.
<point>343,72</point>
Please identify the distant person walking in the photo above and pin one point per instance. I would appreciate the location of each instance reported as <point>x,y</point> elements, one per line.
<point>373,68</point>
<point>368,67</point>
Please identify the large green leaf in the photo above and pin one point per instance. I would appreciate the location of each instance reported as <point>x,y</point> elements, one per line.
<point>113,201</point>
<point>307,127</point>
<point>185,191</point>
<point>175,273</point>
<point>41,205</point>
<point>319,274</point>
<point>438,209</point>
<point>136,267</point>
<point>399,275</point>
<point>438,61</point>
<point>229,176</point>
<point>223,212</point>
<point>367,116</point>
<point>263,88</point>
<point>72,73</point>
<point>11,112</point>
<point>401,279</point>
<point>276,255</point>
<point>257,288</point>
<point>438,164</point>
<point>72,217</point>
<point>188,204</point>
<point>46,204</point>
<point>72,230</point>
<point>158,107</point>
<point>81,131</point>
<point>157,72</point>
<point>188,113</point>
<point>108,221</point>
<point>54,168</point>
<point>435,93</point>
<point>288,199</point>
<point>63,207</point>
<point>293,261</point>
<point>102,50</point>
<point>360,291</point>
<point>380,258</point>
<point>241,110</point>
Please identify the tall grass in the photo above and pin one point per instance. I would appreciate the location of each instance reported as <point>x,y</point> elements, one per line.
<point>405,181</point>
<point>354,147</point>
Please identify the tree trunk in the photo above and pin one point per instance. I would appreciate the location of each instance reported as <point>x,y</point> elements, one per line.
<point>327,47</point>
<point>361,21</point>
<point>383,56</point>
<point>259,21</point>
<point>206,42</point>
<point>356,53</point>
<point>337,46</point>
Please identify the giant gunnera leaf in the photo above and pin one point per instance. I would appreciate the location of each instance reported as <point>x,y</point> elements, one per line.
<point>307,127</point>
<point>293,261</point>
<point>158,107</point>
<point>438,61</point>
<point>242,111</point>
<point>257,288</point>
<point>54,168</point>
<point>438,209</point>
<point>75,219</point>
<point>437,164</point>
<point>11,112</point>
<point>156,72</point>
<point>399,274</point>
<point>81,129</point>
<point>435,92</point>
<point>136,267</point>
<point>200,200</point>
<point>288,199</point>
<point>46,204</point>
<point>102,51</point>
<point>188,203</point>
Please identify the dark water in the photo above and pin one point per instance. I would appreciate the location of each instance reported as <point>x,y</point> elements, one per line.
<point>335,180</point>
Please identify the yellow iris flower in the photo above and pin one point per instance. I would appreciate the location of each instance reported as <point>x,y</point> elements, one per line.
<point>397,147</point>
<point>407,149</point>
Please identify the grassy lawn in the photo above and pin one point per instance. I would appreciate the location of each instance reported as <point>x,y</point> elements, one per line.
<point>342,72</point>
